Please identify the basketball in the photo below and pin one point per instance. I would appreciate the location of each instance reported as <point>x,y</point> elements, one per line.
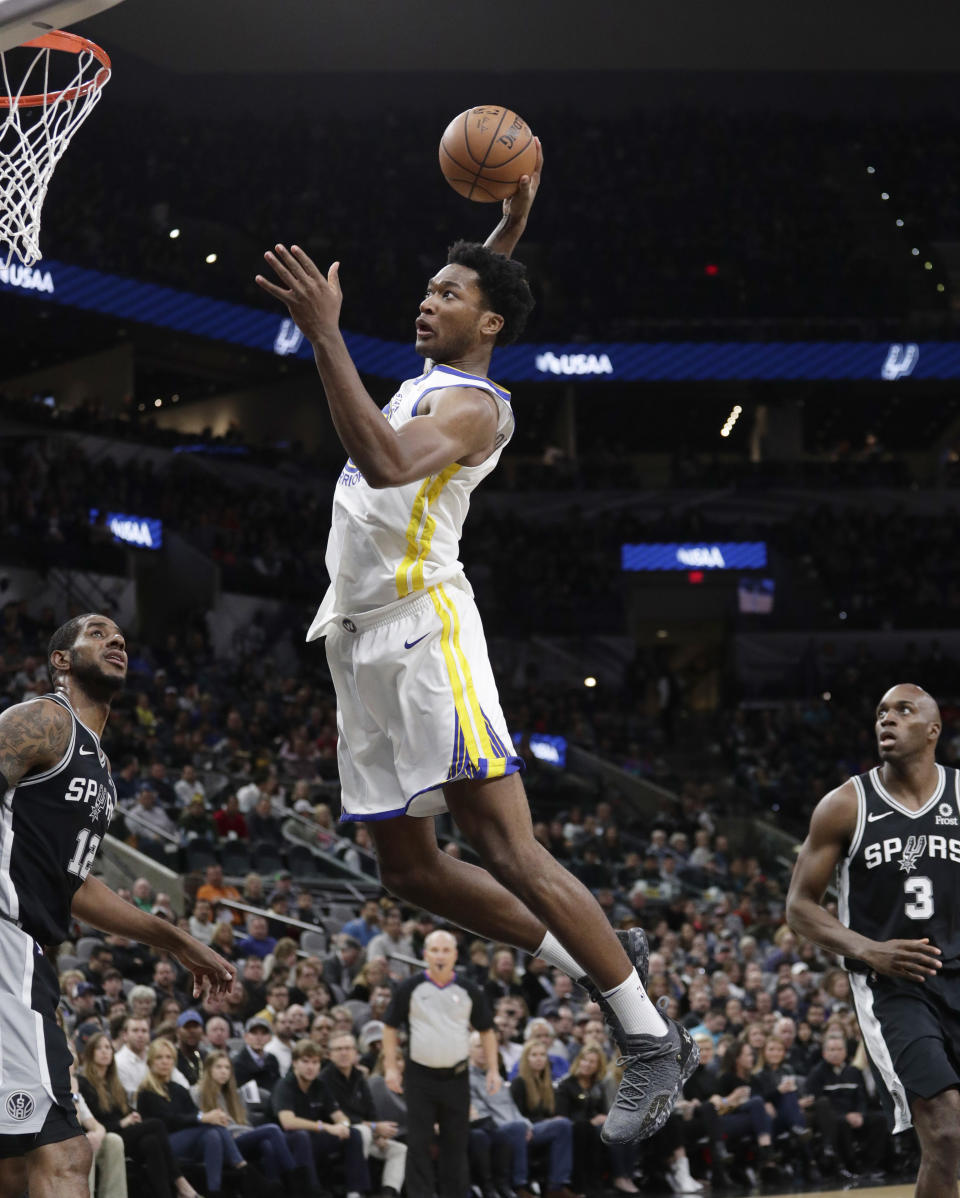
<point>485,150</point>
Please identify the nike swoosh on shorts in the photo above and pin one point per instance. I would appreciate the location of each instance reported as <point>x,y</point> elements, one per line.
<point>410,644</point>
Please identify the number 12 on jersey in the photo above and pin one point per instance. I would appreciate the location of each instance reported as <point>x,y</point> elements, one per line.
<point>87,844</point>
<point>920,890</point>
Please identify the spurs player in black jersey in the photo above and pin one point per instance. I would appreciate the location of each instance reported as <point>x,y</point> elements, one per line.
<point>893,837</point>
<point>58,797</point>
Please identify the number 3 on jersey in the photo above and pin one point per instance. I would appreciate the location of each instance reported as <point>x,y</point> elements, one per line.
<point>82,860</point>
<point>921,891</point>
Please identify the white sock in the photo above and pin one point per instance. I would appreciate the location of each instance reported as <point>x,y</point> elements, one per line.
<point>553,952</point>
<point>632,1006</point>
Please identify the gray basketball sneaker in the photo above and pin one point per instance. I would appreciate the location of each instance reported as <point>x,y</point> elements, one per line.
<point>637,948</point>
<point>654,1070</point>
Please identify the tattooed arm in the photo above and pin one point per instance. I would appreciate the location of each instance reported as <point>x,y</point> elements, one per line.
<point>33,737</point>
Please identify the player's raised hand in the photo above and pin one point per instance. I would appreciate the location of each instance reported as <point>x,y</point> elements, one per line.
<point>517,206</point>
<point>915,960</point>
<point>312,300</point>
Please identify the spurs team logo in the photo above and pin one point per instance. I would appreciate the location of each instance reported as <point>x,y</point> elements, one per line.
<point>20,1105</point>
<point>916,846</point>
<point>947,815</point>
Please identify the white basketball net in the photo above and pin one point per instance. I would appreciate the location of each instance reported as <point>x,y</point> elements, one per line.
<point>33,137</point>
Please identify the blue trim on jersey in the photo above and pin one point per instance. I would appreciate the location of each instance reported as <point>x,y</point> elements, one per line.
<point>442,387</point>
<point>480,378</point>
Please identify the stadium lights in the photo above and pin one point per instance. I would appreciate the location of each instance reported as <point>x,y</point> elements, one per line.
<point>940,287</point>
<point>915,252</point>
<point>871,170</point>
<point>899,222</point>
<point>158,403</point>
<point>590,681</point>
<point>210,259</point>
<point>731,420</point>
<point>884,195</point>
<point>928,266</point>
<point>174,398</point>
<point>174,234</point>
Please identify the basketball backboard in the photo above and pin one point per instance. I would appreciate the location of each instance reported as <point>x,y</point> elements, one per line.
<point>21,20</point>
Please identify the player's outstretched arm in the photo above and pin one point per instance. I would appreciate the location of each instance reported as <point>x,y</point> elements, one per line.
<point>33,737</point>
<point>96,904</point>
<point>516,209</point>
<point>385,456</point>
<point>831,830</point>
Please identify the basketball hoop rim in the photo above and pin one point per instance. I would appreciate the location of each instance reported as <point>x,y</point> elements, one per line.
<point>71,43</point>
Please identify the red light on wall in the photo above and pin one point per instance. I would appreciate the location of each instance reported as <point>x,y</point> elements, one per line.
<point>695,576</point>
<point>711,269</point>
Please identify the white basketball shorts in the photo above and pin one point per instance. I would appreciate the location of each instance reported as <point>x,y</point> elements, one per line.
<point>417,705</point>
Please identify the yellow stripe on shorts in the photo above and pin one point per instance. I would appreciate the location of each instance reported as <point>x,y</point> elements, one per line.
<point>418,542</point>
<point>474,727</point>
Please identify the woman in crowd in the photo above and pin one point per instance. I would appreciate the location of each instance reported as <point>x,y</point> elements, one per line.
<point>779,1087</point>
<point>374,973</point>
<point>165,1018</point>
<point>542,1031</point>
<point>532,1093</point>
<point>194,1136</point>
<point>222,941</point>
<point>144,1140</point>
<point>280,1155</point>
<point>742,1110</point>
<point>281,961</point>
<point>581,1098</point>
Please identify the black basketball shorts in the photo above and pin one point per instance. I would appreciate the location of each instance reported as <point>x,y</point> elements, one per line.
<point>911,1031</point>
<point>36,1106</point>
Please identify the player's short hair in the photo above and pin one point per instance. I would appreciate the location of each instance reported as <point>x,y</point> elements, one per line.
<point>65,638</point>
<point>502,280</point>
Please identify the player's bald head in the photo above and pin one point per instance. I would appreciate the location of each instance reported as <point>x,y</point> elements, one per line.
<point>921,699</point>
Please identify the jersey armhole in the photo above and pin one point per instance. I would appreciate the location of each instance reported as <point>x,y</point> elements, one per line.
<point>861,818</point>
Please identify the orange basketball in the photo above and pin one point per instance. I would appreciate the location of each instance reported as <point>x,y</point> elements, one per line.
<point>485,150</point>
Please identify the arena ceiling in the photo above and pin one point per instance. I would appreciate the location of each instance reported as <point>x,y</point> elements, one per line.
<point>509,36</point>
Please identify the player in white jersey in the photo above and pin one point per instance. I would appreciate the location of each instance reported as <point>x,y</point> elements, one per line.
<point>419,720</point>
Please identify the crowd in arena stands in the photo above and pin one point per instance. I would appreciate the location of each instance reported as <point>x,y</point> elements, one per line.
<point>884,569</point>
<point>215,752</point>
<point>682,213</point>
<point>281,1081</point>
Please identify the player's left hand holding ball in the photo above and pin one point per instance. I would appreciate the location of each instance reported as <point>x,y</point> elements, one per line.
<point>312,300</point>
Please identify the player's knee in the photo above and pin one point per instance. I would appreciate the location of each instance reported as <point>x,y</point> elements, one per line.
<point>942,1139</point>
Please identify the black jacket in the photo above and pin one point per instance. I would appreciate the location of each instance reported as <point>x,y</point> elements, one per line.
<point>351,1094</point>
<point>176,1112</point>
<point>577,1104</point>
<point>246,1069</point>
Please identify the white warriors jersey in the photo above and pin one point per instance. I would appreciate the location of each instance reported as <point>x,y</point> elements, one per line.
<point>387,544</point>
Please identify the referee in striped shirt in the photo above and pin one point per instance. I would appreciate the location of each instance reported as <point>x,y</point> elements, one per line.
<point>440,1009</point>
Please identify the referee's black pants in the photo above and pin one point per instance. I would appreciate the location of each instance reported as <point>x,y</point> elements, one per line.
<point>441,1097</point>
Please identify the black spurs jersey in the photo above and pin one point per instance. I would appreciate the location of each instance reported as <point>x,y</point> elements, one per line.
<point>901,877</point>
<point>51,825</point>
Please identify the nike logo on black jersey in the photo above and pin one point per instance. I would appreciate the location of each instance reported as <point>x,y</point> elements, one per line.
<point>883,815</point>
<point>85,752</point>
<point>410,644</point>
